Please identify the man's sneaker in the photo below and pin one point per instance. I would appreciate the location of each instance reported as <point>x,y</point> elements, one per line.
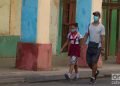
<point>67,76</point>
<point>97,73</point>
<point>76,76</point>
<point>92,80</point>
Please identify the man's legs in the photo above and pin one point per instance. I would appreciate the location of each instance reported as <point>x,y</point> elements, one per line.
<point>94,70</point>
<point>92,60</point>
<point>90,66</point>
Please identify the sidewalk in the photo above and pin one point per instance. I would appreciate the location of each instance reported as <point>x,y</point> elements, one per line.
<point>8,74</point>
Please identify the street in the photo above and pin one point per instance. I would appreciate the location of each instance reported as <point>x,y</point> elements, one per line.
<point>82,82</point>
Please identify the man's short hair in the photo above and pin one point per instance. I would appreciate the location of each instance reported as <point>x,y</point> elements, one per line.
<point>96,13</point>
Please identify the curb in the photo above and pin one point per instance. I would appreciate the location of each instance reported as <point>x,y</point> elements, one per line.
<point>35,79</point>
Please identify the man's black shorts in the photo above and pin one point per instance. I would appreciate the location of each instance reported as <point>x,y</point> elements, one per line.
<point>93,54</point>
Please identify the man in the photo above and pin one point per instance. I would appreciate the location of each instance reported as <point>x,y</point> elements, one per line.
<point>96,33</point>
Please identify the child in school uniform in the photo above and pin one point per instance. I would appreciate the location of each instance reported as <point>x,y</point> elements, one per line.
<point>73,42</point>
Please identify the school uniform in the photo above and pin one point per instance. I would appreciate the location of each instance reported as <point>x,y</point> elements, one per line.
<point>74,47</point>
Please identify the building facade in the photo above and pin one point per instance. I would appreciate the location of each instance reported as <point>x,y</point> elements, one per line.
<point>42,25</point>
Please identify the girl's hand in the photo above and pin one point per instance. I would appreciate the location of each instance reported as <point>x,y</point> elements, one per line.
<point>61,50</point>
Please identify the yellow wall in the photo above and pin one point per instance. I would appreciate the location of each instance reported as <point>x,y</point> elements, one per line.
<point>43,28</point>
<point>54,24</point>
<point>15,21</point>
<point>4,16</point>
<point>10,17</point>
<point>48,11</point>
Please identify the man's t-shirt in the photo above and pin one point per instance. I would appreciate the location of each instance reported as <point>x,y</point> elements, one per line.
<point>95,33</point>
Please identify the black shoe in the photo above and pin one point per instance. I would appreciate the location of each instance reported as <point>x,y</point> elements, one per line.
<point>92,80</point>
<point>97,73</point>
<point>67,77</point>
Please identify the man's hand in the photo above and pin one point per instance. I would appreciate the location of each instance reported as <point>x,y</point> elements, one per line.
<point>103,45</point>
<point>102,51</point>
<point>85,38</point>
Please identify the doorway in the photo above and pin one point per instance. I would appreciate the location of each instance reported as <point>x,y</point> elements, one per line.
<point>111,16</point>
<point>69,15</point>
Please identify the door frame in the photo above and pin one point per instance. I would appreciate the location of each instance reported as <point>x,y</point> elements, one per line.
<point>60,25</point>
<point>59,40</point>
<point>109,6</point>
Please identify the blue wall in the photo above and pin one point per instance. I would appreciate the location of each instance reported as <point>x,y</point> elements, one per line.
<point>29,21</point>
<point>83,14</point>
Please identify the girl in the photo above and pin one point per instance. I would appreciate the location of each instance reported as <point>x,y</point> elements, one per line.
<point>73,42</point>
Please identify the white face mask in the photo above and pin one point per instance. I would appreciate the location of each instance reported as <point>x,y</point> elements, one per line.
<point>73,30</point>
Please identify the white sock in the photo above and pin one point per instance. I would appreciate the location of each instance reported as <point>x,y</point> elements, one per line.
<point>77,75</point>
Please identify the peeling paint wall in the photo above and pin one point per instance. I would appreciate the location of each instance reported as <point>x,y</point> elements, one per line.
<point>15,17</point>
<point>29,21</point>
<point>83,15</point>
<point>54,23</point>
<point>10,25</point>
<point>4,16</point>
<point>10,17</point>
<point>43,26</point>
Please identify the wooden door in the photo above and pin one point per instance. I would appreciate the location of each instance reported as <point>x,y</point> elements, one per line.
<point>111,21</point>
<point>69,14</point>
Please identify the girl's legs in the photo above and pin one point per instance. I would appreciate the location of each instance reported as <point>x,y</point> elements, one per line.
<point>76,71</point>
<point>76,68</point>
<point>72,62</point>
<point>68,75</point>
<point>71,68</point>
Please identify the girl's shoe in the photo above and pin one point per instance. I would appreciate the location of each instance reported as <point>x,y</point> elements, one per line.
<point>67,76</point>
<point>76,76</point>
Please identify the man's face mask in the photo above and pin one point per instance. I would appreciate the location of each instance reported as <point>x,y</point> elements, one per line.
<point>96,18</point>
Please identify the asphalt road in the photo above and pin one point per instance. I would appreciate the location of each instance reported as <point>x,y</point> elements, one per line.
<point>82,82</point>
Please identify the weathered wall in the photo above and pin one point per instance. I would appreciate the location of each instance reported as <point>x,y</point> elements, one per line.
<point>8,46</point>
<point>15,17</point>
<point>43,27</point>
<point>29,21</point>
<point>54,24</point>
<point>4,16</point>
<point>47,30</point>
<point>10,22</point>
<point>83,14</point>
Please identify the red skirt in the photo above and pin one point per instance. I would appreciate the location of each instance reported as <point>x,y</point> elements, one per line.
<point>74,50</point>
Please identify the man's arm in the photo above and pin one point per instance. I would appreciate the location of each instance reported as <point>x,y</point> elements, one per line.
<point>103,38</point>
<point>102,45</point>
<point>103,41</point>
<point>85,37</point>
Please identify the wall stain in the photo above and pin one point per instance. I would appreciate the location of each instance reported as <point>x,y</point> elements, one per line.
<point>56,3</point>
